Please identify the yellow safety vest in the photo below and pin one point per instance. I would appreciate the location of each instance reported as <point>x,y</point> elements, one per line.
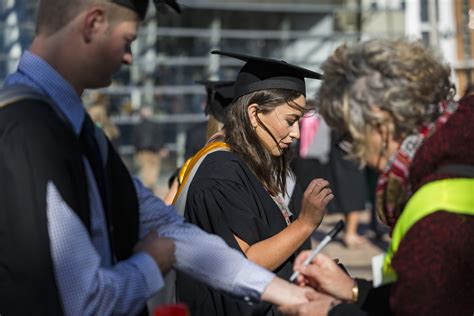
<point>450,195</point>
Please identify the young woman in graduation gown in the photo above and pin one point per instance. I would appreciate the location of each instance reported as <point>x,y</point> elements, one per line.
<point>237,190</point>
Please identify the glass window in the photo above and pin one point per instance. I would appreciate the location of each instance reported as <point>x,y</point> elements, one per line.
<point>424,10</point>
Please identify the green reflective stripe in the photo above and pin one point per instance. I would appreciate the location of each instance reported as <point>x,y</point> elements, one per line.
<point>450,195</point>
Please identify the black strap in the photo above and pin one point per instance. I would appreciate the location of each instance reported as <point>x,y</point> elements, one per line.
<point>12,94</point>
<point>90,148</point>
<point>458,170</point>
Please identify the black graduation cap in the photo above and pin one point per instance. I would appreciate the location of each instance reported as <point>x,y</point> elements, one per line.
<point>141,6</point>
<point>265,73</point>
<point>164,5</point>
<point>220,95</point>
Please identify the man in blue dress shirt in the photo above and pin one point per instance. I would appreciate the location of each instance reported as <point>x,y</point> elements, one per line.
<point>78,235</point>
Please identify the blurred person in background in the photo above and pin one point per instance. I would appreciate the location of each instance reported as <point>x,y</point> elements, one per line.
<point>195,139</point>
<point>349,183</point>
<point>236,190</point>
<point>321,155</point>
<point>219,95</point>
<point>79,234</point>
<point>148,141</point>
<point>98,114</point>
<point>393,100</point>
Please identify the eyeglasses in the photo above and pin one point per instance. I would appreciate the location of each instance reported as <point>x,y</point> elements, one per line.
<point>311,112</point>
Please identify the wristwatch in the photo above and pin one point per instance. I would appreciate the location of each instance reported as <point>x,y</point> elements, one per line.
<point>355,292</point>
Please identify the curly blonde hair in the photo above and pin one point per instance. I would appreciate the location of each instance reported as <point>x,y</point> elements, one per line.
<point>401,77</point>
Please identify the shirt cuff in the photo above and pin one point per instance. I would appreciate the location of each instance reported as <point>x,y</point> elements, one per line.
<point>150,272</point>
<point>252,281</point>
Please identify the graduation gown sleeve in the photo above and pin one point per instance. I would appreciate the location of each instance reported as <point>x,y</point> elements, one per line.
<point>225,208</point>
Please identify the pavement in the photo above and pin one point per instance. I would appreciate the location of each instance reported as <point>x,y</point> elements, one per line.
<point>357,260</point>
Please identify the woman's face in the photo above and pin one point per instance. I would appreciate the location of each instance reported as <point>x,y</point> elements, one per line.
<point>375,150</point>
<point>380,143</point>
<point>282,122</point>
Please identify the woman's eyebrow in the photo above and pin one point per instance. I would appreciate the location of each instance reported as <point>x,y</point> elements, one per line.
<point>293,115</point>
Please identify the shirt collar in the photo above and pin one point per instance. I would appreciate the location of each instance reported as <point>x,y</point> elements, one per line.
<point>55,86</point>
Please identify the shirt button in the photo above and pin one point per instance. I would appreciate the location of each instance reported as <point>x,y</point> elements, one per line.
<point>248,300</point>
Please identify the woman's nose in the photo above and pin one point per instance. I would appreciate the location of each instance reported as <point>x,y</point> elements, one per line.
<point>295,131</point>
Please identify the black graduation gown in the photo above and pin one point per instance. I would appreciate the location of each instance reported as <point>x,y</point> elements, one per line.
<point>37,146</point>
<point>225,198</point>
<point>34,149</point>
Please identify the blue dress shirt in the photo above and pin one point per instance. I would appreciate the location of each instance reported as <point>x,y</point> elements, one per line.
<point>88,282</point>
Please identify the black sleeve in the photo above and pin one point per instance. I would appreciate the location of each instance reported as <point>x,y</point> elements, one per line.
<point>364,287</point>
<point>375,301</point>
<point>224,208</point>
<point>346,309</point>
<point>372,301</point>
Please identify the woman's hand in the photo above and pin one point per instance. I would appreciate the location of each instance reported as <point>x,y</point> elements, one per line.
<point>319,305</point>
<point>281,292</point>
<point>273,251</point>
<point>315,199</point>
<point>323,274</point>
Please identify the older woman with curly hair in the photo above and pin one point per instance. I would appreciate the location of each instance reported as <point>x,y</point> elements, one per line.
<point>394,102</point>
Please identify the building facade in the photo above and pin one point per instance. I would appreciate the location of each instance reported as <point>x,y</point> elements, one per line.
<point>172,51</point>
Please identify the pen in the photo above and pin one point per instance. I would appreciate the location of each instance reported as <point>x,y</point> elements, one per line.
<point>330,236</point>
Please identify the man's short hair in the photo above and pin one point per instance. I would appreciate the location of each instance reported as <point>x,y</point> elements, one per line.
<point>53,15</point>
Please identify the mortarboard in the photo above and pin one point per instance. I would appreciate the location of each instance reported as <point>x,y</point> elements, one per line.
<point>141,6</point>
<point>260,73</point>
<point>220,95</point>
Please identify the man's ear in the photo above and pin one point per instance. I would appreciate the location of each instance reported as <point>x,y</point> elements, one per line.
<point>252,111</point>
<point>94,21</point>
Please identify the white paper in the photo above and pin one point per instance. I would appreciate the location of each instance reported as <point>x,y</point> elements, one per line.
<point>377,269</point>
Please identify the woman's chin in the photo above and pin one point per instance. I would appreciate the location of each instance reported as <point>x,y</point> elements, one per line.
<point>278,151</point>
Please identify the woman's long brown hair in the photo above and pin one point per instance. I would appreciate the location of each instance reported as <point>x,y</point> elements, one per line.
<point>270,170</point>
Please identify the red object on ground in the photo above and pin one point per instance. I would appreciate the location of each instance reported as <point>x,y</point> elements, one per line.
<point>172,310</point>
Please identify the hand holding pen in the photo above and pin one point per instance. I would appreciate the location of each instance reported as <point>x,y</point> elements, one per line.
<point>330,236</point>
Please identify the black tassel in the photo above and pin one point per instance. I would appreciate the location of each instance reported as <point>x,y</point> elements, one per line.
<point>163,6</point>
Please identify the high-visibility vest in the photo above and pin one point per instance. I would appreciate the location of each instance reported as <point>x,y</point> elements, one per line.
<point>449,195</point>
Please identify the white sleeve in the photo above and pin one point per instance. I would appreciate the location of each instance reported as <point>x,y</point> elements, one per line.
<point>204,256</point>
<point>85,287</point>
